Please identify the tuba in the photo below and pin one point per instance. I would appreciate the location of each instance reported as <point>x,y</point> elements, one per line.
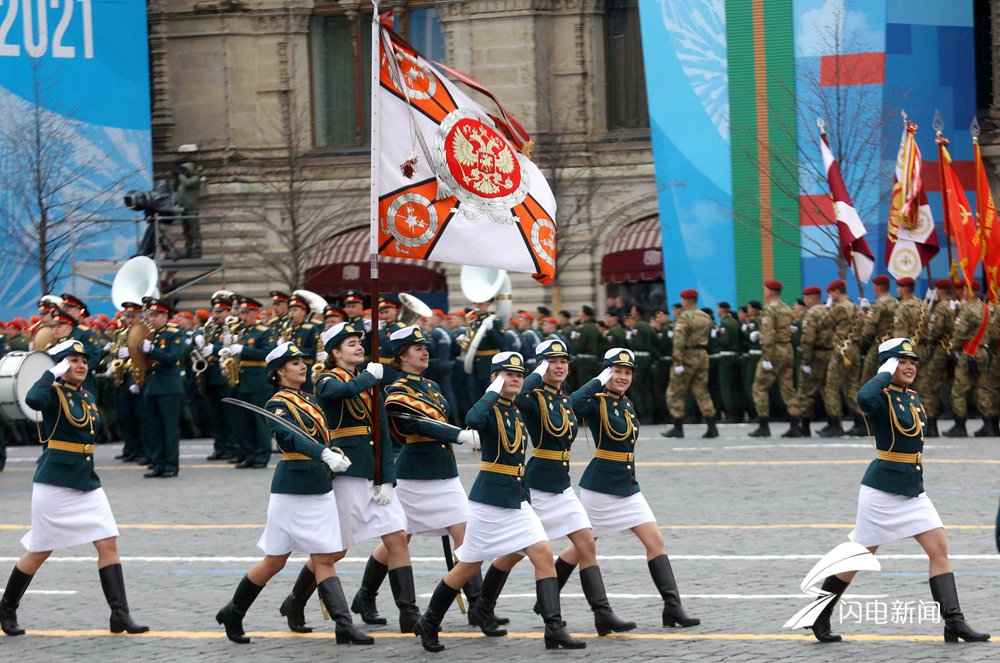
<point>481,284</point>
<point>316,303</point>
<point>136,279</point>
<point>43,338</point>
<point>413,310</point>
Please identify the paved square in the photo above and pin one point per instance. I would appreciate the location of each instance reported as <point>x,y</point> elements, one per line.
<point>744,521</point>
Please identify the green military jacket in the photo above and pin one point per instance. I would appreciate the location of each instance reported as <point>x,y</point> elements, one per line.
<point>490,345</point>
<point>586,339</point>
<point>663,339</point>
<point>548,414</point>
<point>301,470</point>
<point>896,419</point>
<point>214,334</point>
<point>94,348</point>
<point>614,338</point>
<point>728,337</point>
<point>18,344</point>
<point>258,341</point>
<point>691,333</point>
<point>164,376</point>
<point>426,452</point>
<point>640,338</point>
<point>69,414</point>
<point>567,333</point>
<point>348,402</point>
<point>613,423</point>
<point>308,337</point>
<point>503,441</point>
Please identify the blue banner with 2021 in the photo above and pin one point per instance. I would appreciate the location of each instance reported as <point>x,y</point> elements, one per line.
<point>74,103</point>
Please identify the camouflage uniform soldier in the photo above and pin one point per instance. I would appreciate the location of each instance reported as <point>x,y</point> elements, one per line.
<point>844,366</point>
<point>730,379</point>
<point>690,359</point>
<point>969,371</point>
<point>878,326</point>
<point>815,348</point>
<point>934,355</point>
<point>991,421</point>
<point>776,362</point>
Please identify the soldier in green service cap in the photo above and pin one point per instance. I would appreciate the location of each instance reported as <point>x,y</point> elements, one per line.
<point>253,343</point>
<point>162,390</point>
<point>586,340</point>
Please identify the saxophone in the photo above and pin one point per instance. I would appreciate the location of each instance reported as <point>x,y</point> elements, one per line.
<point>228,363</point>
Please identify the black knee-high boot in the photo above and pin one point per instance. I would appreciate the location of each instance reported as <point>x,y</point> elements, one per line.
<point>429,624</point>
<point>17,584</point>
<point>113,584</point>
<point>481,612</point>
<point>563,571</point>
<point>605,620</point>
<point>944,592</point>
<point>331,593</point>
<point>363,604</point>
<point>401,583</point>
<point>547,590</point>
<point>294,606</point>
<point>663,578</point>
<point>472,590</point>
<point>821,627</point>
<point>232,614</point>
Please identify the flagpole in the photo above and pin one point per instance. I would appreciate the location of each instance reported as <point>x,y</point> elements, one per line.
<point>373,239</point>
<point>941,141</point>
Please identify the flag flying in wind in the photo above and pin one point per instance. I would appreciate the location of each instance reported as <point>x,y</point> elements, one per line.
<point>958,221</point>
<point>851,231</point>
<point>986,214</point>
<point>912,240</point>
<point>455,183</point>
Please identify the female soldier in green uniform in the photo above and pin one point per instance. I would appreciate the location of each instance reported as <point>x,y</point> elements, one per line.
<point>501,522</point>
<point>68,505</point>
<point>302,510</point>
<point>609,490</point>
<point>892,504</point>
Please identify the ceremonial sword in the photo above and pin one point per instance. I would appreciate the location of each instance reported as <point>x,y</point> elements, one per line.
<point>275,418</point>
<point>417,417</point>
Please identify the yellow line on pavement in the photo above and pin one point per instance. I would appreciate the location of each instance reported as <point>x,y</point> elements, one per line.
<point>805,639</point>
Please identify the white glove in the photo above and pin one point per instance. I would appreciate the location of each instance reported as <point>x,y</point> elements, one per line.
<point>574,335</point>
<point>60,369</point>
<point>461,338</point>
<point>754,336</point>
<point>377,370</point>
<point>678,369</point>
<point>715,332</point>
<point>793,328</point>
<point>670,334</point>
<point>208,349</point>
<point>335,461</point>
<point>488,323</point>
<point>808,370</point>
<point>955,305</point>
<point>147,345</point>
<point>31,347</point>
<point>235,349</point>
<point>889,366</point>
<point>766,365</point>
<point>123,352</point>
<point>227,339</point>
<point>604,376</point>
<point>368,326</point>
<point>199,340</point>
<point>107,346</point>
<point>187,341</point>
<point>470,437</point>
<point>133,389</point>
<point>542,367</point>
<point>744,326</point>
<point>496,385</point>
<point>321,357</point>
<point>829,301</point>
<point>281,339</point>
<point>383,494</point>
<point>864,303</point>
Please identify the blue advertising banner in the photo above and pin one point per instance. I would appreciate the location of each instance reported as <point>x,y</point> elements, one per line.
<point>75,135</point>
<point>684,50</point>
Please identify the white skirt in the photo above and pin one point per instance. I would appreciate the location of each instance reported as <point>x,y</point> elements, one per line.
<point>431,506</point>
<point>560,513</point>
<point>612,514</point>
<point>493,531</point>
<point>301,523</point>
<point>361,518</point>
<point>66,517</point>
<point>886,517</point>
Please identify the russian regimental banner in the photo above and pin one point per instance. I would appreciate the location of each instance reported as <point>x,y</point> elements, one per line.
<point>455,183</point>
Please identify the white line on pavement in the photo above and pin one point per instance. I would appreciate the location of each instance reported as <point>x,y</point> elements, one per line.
<point>223,559</point>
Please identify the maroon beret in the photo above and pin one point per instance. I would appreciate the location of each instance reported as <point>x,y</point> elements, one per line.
<point>881,279</point>
<point>772,284</point>
<point>690,293</point>
<point>836,285</point>
<point>905,282</point>
<point>812,290</point>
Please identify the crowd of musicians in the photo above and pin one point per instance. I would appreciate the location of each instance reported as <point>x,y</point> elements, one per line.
<point>757,362</point>
<point>366,448</point>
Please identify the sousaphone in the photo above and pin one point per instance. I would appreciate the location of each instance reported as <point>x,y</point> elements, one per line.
<point>481,284</point>
<point>137,279</point>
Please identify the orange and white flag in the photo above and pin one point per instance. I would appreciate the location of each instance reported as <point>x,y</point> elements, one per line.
<point>455,183</point>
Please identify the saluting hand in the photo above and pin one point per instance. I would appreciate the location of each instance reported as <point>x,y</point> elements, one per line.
<point>604,376</point>
<point>60,369</point>
<point>543,367</point>
<point>497,385</point>
<point>889,366</point>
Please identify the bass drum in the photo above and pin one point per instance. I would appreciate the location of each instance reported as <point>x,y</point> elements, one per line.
<point>19,371</point>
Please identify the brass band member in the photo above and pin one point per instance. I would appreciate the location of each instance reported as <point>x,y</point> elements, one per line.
<point>68,505</point>
<point>501,523</point>
<point>302,510</point>
<point>609,489</point>
<point>892,504</point>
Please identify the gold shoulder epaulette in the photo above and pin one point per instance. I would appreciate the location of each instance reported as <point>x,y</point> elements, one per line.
<point>262,328</point>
